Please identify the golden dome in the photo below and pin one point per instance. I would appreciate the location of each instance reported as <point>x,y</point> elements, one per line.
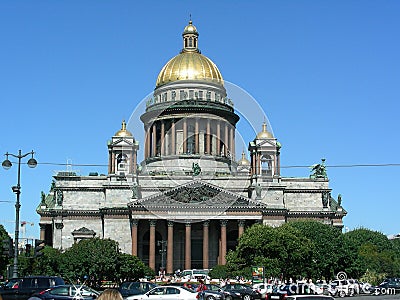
<point>243,161</point>
<point>190,28</point>
<point>264,134</point>
<point>123,132</point>
<point>189,66</point>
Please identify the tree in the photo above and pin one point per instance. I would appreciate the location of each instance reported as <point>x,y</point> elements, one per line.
<point>130,268</point>
<point>283,251</point>
<point>326,252</point>
<point>369,250</point>
<point>91,261</point>
<point>219,271</point>
<point>4,259</point>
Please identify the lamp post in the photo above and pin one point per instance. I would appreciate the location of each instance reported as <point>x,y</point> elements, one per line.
<point>163,250</point>
<point>17,190</point>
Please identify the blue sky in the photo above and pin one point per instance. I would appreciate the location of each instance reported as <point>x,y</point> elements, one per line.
<point>326,73</point>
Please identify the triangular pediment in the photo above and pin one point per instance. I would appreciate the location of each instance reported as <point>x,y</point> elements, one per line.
<point>196,194</point>
<point>266,143</point>
<point>122,142</point>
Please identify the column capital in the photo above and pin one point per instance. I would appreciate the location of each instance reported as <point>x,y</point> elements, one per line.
<point>188,224</point>
<point>241,223</point>
<point>206,223</point>
<point>170,223</point>
<point>153,223</point>
<point>134,222</point>
<point>223,223</point>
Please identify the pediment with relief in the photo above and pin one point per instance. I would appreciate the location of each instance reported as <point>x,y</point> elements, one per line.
<point>197,194</point>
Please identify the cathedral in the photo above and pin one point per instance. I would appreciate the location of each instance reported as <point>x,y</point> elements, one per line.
<point>189,200</point>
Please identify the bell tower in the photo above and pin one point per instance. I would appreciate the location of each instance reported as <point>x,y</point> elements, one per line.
<point>122,156</point>
<point>264,156</point>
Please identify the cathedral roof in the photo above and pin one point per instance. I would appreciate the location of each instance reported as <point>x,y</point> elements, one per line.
<point>189,64</point>
<point>123,132</point>
<point>243,161</point>
<point>264,133</point>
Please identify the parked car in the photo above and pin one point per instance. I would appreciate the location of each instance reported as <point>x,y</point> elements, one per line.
<point>263,288</point>
<point>309,297</point>
<point>389,286</point>
<point>66,292</point>
<point>24,287</point>
<point>240,291</point>
<point>195,275</point>
<point>167,292</point>
<point>280,292</point>
<point>213,292</point>
<point>345,287</point>
<point>130,288</point>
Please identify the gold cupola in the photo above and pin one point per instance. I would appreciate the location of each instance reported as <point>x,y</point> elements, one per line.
<point>123,132</point>
<point>243,161</point>
<point>189,64</point>
<point>264,134</point>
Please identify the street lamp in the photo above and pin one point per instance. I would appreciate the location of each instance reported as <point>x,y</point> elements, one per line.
<point>163,250</point>
<point>17,190</point>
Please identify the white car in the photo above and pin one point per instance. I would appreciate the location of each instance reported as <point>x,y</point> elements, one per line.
<point>263,288</point>
<point>167,292</point>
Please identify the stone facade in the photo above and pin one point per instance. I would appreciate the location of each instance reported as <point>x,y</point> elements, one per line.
<point>189,193</point>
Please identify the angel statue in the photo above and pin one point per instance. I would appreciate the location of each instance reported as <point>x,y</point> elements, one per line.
<point>319,170</point>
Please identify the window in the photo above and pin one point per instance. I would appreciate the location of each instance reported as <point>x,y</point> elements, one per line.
<point>201,95</point>
<point>173,95</point>
<point>171,291</point>
<point>208,96</point>
<point>191,94</point>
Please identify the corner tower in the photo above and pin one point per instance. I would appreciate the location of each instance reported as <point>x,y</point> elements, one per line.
<point>122,156</point>
<point>189,119</point>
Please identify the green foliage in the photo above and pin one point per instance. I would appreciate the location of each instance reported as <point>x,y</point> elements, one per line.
<point>373,277</point>
<point>370,250</point>
<point>131,268</point>
<point>219,271</point>
<point>4,260</point>
<point>90,261</point>
<point>315,250</point>
<point>326,248</point>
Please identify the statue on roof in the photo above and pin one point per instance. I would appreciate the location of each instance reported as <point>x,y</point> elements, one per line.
<point>196,169</point>
<point>43,198</point>
<point>319,170</point>
<point>339,200</point>
<point>326,199</point>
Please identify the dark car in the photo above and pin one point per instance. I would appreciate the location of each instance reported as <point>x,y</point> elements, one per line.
<point>130,288</point>
<point>213,292</point>
<point>24,287</point>
<point>66,292</point>
<point>240,291</point>
<point>389,286</point>
<point>280,292</point>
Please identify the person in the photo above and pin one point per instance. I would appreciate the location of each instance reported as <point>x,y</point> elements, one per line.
<point>110,294</point>
<point>201,288</point>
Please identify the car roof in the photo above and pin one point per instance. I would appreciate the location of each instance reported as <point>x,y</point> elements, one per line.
<point>309,297</point>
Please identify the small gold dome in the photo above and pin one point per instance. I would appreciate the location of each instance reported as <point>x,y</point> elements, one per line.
<point>123,132</point>
<point>190,28</point>
<point>264,134</point>
<point>243,161</point>
<point>189,66</point>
